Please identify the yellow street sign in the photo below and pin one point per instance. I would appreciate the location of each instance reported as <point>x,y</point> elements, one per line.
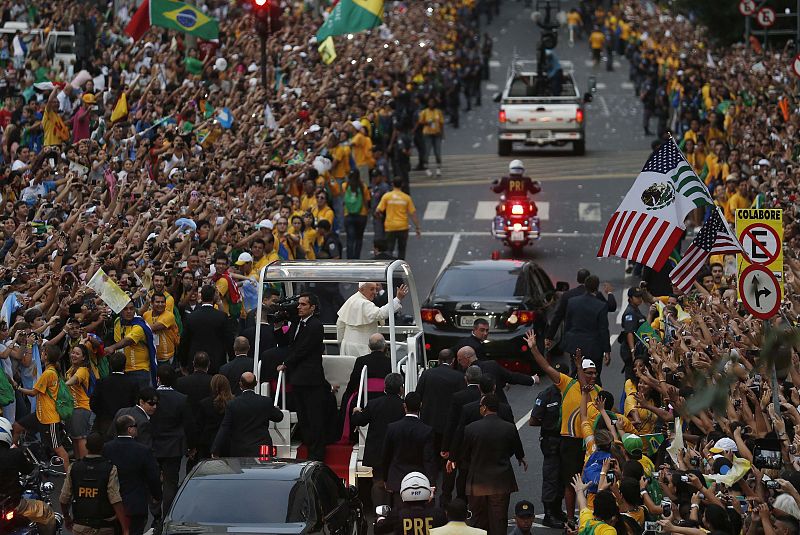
<point>760,231</point>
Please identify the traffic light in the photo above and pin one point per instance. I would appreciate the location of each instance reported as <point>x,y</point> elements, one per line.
<point>268,16</point>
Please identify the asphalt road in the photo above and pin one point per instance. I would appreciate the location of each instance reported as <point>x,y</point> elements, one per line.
<point>579,193</point>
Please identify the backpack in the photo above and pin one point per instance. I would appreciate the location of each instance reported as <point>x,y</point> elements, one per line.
<point>6,390</point>
<point>353,200</point>
<point>64,401</point>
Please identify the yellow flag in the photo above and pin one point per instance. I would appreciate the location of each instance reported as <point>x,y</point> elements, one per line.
<point>120,110</point>
<point>327,51</point>
<point>373,6</point>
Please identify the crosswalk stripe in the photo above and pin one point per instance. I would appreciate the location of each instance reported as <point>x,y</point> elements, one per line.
<point>494,63</point>
<point>544,210</point>
<point>436,210</point>
<point>485,210</point>
<point>626,85</point>
<point>589,211</point>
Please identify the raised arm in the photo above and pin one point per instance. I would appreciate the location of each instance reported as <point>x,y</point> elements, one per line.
<point>552,373</point>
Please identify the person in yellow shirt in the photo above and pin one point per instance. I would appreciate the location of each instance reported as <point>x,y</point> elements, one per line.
<point>340,153</point>
<point>303,226</point>
<point>432,121</point>
<point>78,380</point>
<point>46,419</point>
<point>134,338</point>
<point>55,130</point>
<point>574,23</point>
<point>597,41</point>
<point>606,509</point>
<point>321,210</point>
<point>165,330</point>
<point>361,149</point>
<point>263,251</point>
<point>740,199</point>
<point>396,207</point>
<point>307,199</point>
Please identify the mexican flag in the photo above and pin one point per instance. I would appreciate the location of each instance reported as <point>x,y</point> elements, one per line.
<point>172,15</point>
<point>351,16</point>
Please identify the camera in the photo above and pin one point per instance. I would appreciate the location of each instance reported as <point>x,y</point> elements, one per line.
<point>685,479</point>
<point>772,484</point>
<point>285,310</point>
<point>666,507</point>
<point>694,462</point>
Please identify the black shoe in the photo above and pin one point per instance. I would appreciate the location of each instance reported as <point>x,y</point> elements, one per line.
<point>551,522</point>
<point>647,132</point>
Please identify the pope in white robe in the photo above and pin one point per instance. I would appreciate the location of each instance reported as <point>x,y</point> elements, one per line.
<point>359,318</point>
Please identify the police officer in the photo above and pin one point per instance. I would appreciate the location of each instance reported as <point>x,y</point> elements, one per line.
<point>546,414</point>
<point>416,515</point>
<point>632,319</point>
<point>90,498</point>
<point>516,184</point>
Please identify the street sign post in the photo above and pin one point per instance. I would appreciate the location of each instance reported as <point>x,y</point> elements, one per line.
<point>747,7</point>
<point>760,231</point>
<point>765,17</point>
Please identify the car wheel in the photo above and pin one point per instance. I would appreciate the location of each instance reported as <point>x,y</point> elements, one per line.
<point>579,147</point>
<point>504,148</point>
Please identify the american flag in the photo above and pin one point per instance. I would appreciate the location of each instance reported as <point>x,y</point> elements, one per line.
<point>649,223</point>
<point>714,238</point>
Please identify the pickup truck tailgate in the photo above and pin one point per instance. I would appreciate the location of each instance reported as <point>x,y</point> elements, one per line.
<point>540,116</point>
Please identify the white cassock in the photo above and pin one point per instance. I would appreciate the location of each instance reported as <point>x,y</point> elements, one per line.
<point>359,319</point>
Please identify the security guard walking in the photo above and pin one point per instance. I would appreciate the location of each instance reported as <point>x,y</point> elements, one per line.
<point>546,414</point>
<point>90,498</point>
<point>632,319</point>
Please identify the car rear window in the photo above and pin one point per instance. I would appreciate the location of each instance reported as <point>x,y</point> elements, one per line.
<point>242,501</point>
<point>476,283</point>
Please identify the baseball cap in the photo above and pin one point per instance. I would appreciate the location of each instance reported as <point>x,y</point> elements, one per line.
<point>587,364</point>
<point>524,508</point>
<point>724,444</point>
<point>266,223</point>
<point>633,444</point>
<point>357,125</point>
<point>634,292</point>
<point>244,258</point>
<point>88,98</point>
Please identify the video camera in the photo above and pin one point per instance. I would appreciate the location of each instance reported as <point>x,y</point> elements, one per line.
<point>284,310</point>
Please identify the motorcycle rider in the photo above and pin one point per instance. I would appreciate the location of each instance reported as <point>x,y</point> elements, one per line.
<point>417,514</point>
<point>14,462</point>
<point>514,186</point>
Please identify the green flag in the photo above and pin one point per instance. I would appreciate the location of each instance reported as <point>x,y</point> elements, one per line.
<point>645,332</point>
<point>184,18</point>
<point>351,16</point>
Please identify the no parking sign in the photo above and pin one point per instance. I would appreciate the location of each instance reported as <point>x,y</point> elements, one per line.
<point>760,231</point>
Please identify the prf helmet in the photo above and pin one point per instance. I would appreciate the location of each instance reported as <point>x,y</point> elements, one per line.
<point>516,167</point>
<point>415,488</point>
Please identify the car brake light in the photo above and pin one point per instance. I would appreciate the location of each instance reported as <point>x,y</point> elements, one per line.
<point>522,317</point>
<point>9,515</point>
<point>265,451</point>
<point>502,116</point>
<point>432,315</point>
<point>427,346</point>
<point>517,209</point>
<point>579,116</point>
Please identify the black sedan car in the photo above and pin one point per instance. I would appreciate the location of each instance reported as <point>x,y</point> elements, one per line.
<point>513,296</point>
<point>264,496</point>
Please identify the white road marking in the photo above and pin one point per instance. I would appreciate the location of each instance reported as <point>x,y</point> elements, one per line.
<point>544,210</point>
<point>451,252</point>
<point>485,210</point>
<point>492,87</point>
<point>488,233</point>
<point>589,211</point>
<point>604,105</point>
<point>588,63</point>
<point>436,210</point>
<point>524,420</point>
<point>493,63</point>
<point>601,85</point>
<point>626,85</point>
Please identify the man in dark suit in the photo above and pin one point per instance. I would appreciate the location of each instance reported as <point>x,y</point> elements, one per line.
<point>207,329</point>
<point>378,414</point>
<point>266,337</point>
<point>112,393</point>
<point>137,470</point>
<point>242,362</point>
<point>586,327</point>
<point>489,445</point>
<point>196,385</point>
<point>471,412</point>
<point>378,365</point>
<point>408,446</point>
<point>304,366</point>
<point>245,426</point>
<point>475,340</point>
<point>607,296</point>
<point>171,425</point>
<point>466,357</point>
<point>141,413</point>
<point>437,386</point>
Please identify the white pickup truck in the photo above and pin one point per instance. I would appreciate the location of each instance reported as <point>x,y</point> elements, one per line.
<point>531,114</point>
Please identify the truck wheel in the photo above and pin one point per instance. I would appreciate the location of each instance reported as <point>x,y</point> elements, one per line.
<point>579,147</point>
<point>504,148</point>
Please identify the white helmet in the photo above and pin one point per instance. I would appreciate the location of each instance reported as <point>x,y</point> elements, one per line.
<point>415,488</point>
<point>516,167</point>
<point>5,431</point>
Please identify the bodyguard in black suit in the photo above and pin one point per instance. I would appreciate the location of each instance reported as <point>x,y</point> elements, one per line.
<point>171,424</point>
<point>561,308</point>
<point>378,414</point>
<point>137,470</point>
<point>408,446</point>
<point>586,326</point>
<point>245,426</point>
<point>112,393</point>
<point>196,385</point>
<point>471,413</point>
<point>480,332</point>
<point>207,329</point>
<point>437,386</point>
<point>141,413</point>
<point>489,445</point>
<point>242,362</point>
<point>304,366</point>
<point>466,357</point>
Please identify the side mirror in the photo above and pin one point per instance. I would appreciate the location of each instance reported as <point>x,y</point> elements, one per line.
<point>562,286</point>
<point>383,510</point>
<point>497,97</point>
<point>587,97</point>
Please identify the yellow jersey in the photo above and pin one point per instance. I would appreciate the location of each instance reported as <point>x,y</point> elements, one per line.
<point>80,390</point>
<point>432,121</point>
<point>341,158</point>
<point>597,40</point>
<point>362,150</point>
<point>397,206</point>
<point>571,406</point>
<point>137,357</point>
<point>165,340</point>
<point>47,387</point>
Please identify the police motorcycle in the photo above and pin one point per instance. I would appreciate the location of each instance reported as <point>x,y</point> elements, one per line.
<point>35,487</point>
<point>516,222</point>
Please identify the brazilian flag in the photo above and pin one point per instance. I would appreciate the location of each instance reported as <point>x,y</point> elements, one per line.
<point>351,16</point>
<point>184,18</point>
